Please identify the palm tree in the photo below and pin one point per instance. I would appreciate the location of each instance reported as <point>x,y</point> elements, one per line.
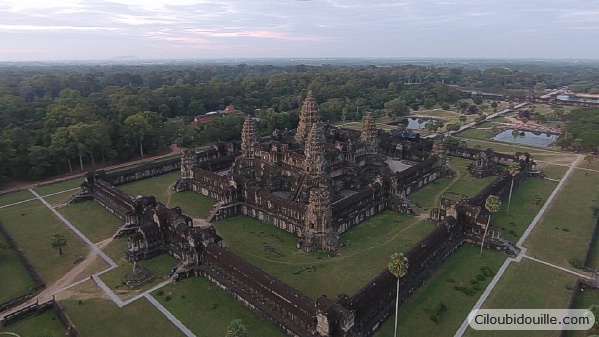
<point>59,241</point>
<point>513,169</point>
<point>492,204</point>
<point>398,267</point>
<point>515,135</point>
<point>236,329</point>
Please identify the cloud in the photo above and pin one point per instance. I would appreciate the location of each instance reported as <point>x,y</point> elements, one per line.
<point>51,28</point>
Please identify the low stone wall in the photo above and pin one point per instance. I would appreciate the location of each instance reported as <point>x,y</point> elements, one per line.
<point>592,245</point>
<point>37,309</point>
<point>39,282</point>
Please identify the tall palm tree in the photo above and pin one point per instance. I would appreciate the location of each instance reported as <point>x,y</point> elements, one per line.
<point>515,135</point>
<point>513,169</point>
<point>492,204</point>
<point>398,267</point>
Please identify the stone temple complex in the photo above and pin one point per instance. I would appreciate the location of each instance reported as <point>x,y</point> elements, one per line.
<point>316,182</point>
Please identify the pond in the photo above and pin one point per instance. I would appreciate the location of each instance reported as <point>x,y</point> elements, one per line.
<point>413,123</point>
<point>527,138</point>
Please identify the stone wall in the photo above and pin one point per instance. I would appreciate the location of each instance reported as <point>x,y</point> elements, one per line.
<point>359,207</point>
<point>290,310</point>
<point>37,309</point>
<point>145,171</point>
<point>417,176</point>
<point>591,247</point>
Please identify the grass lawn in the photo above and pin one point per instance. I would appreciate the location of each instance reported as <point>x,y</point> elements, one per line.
<point>465,184</point>
<point>193,204</point>
<point>159,266</point>
<point>523,208</point>
<point>369,246</point>
<point>44,325</point>
<point>32,226</point>
<point>529,285</point>
<point>101,317</point>
<point>207,310</point>
<point>552,171</point>
<point>116,249</point>
<point>14,279</point>
<point>457,270</point>
<point>59,187</point>
<point>568,223</point>
<point>503,147</point>
<point>91,219</point>
<point>10,198</point>
<point>428,196</point>
<point>482,131</point>
<point>58,199</point>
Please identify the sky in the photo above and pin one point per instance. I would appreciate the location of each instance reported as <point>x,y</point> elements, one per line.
<point>41,30</point>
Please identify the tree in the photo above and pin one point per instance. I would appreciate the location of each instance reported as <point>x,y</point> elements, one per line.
<point>399,268</point>
<point>396,107</point>
<point>462,119</point>
<point>492,204</point>
<point>513,169</point>
<point>595,310</point>
<point>515,135</point>
<point>59,241</point>
<point>142,125</point>
<point>236,329</point>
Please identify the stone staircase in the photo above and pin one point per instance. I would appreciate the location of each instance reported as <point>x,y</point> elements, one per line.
<point>509,246</point>
<point>300,187</point>
<point>214,211</point>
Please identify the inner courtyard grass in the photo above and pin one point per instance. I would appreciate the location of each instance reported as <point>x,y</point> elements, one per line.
<point>159,266</point>
<point>457,270</point>
<point>98,317</point>
<point>91,219</point>
<point>366,254</point>
<point>529,285</point>
<point>43,325</point>
<point>465,184</point>
<point>193,204</point>
<point>59,187</point>
<point>14,279</point>
<point>207,310</point>
<point>32,226</point>
<point>568,223</point>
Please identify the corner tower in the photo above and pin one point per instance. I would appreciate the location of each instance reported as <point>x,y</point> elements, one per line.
<point>318,232</point>
<point>249,137</point>
<point>309,116</point>
<point>315,163</point>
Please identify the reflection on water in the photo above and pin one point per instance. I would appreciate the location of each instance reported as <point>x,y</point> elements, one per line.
<point>413,123</point>
<point>529,138</point>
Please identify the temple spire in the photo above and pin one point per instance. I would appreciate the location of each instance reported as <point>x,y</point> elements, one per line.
<point>249,137</point>
<point>314,151</point>
<point>369,134</point>
<point>309,116</point>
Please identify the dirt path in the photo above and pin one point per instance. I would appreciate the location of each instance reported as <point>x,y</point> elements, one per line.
<point>25,186</point>
<point>73,276</point>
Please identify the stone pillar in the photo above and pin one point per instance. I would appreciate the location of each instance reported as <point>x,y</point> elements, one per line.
<point>440,150</point>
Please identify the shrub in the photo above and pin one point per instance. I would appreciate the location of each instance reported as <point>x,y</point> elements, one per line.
<point>575,263</point>
<point>437,311</point>
<point>450,280</point>
<point>213,306</point>
<point>473,281</point>
<point>481,277</point>
<point>160,293</point>
<point>167,298</point>
<point>565,229</point>
<point>488,273</point>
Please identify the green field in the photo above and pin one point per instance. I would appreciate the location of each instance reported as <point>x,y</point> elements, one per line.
<point>465,184</point>
<point>59,187</point>
<point>568,223</point>
<point>523,208</point>
<point>457,270</point>
<point>369,246</point>
<point>11,198</point>
<point>584,300</point>
<point>193,204</point>
<point>32,226</point>
<point>14,279</point>
<point>44,325</point>
<point>95,222</point>
<point>529,285</point>
<point>101,318</point>
<point>207,310</point>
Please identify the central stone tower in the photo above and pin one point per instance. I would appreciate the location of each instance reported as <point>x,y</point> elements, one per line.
<point>369,135</point>
<point>308,118</point>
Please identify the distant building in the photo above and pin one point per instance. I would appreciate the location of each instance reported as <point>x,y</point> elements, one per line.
<point>209,117</point>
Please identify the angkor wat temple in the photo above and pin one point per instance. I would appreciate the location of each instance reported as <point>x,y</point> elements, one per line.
<point>316,183</point>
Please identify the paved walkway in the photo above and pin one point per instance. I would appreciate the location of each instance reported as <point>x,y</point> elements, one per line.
<point>523,250</point>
